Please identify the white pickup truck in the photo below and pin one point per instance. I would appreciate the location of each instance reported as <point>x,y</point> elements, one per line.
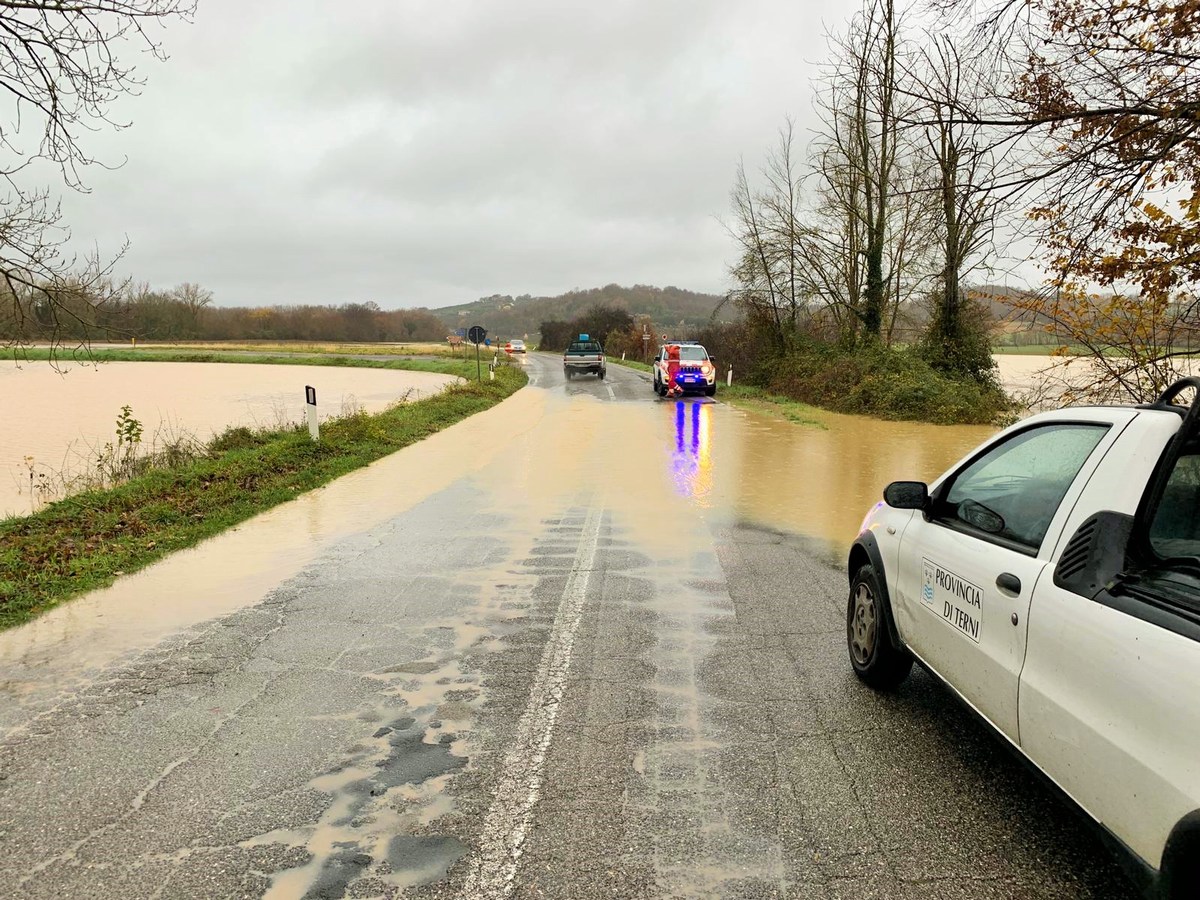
<point>1052,580</point>
<point>583,357</point>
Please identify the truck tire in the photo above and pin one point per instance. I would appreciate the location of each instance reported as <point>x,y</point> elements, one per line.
<point>876,662</point>
<point>569,374</point>
<point>600,374</point>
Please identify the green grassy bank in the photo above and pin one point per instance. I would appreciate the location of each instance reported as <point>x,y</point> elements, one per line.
<point>87,540</point>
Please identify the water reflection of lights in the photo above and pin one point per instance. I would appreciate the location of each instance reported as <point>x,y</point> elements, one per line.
<point>691,462</point>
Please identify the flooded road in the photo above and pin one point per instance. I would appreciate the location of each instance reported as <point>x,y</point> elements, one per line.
<point>588,643</point>
<point>54,420</point>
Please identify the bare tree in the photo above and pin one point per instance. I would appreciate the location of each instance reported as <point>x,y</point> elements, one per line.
<point>195,299</point>
<point>769,272</point>
<point>964,209</point>
<point>871,230</point>
<point>60,73</point>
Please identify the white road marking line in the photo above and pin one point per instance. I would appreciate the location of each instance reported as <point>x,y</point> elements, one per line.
<point>611,392</point>
<point>508,821</point>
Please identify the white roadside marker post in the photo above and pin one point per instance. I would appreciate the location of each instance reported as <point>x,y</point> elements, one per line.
<point>729,380</point>
<point>310,405</point>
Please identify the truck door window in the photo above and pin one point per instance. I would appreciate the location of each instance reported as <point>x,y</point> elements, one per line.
<point>1175,531</point>
<point>1013,491</point>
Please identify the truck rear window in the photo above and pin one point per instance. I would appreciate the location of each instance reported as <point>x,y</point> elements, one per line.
<point>584,347</point>
<point>1175,531</point>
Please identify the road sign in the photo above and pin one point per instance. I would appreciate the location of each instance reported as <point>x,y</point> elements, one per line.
<point>477,334</point>
<point>664,337</point>
<point>461,332</point>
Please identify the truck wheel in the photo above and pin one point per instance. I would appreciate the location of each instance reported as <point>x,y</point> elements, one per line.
<point>876,662</point>
<point>600,374</point>
<point>569,374</point>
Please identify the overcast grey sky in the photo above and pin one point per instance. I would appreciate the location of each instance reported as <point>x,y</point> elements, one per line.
<point>428,152</point>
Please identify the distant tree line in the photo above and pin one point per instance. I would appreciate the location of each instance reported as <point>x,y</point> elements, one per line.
<point>600,323</point>
<point>186,312</point>
<point>508,315</point>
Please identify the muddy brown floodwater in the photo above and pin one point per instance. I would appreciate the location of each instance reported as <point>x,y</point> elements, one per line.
<point>726,464</point>
<point>58,417</point>
<point>814,481</point>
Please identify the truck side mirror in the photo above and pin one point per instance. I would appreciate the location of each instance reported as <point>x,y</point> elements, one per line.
<point>658,359</point>
<point>906,495</point>
<point>1095,555</point>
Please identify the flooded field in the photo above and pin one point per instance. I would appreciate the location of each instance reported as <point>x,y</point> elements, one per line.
<point>59,418</point>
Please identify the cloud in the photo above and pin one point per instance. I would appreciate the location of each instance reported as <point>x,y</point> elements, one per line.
<point>432,152</point>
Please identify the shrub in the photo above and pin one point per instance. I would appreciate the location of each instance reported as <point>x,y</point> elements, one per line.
<point>888,384</point>
<point>237,437</point>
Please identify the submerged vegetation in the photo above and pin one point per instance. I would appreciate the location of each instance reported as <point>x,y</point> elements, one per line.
<point>86,540</point>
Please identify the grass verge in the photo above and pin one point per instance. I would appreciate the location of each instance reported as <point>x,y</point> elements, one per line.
<point>632,364</point>
<point>1035,350</point>
<point>85,541</point>
<point>760,400</point>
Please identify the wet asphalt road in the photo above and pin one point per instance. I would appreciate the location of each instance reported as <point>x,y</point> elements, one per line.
<point>575,671</point>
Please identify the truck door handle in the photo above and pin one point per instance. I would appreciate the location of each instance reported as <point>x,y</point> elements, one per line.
<point>1009,583</point>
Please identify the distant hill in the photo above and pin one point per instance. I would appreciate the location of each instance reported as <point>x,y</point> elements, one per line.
<point>508,316</point>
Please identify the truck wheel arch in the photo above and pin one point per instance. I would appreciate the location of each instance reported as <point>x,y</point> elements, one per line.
<point>1179,873</point>
<point>866,552</point>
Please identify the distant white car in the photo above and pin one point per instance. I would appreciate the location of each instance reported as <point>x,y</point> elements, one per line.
<point>516,346</point>
<point>1052,580</point>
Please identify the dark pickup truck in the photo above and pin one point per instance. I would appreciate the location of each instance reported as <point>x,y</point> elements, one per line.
<point>583,357</point>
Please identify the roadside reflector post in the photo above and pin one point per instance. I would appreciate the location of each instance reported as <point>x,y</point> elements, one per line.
<point>729,380</point>
<point>622,356</point>
<point>310,408</point>
<point>492,370</point>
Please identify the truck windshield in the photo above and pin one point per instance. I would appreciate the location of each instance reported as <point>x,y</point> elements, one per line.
<point>585,347</point>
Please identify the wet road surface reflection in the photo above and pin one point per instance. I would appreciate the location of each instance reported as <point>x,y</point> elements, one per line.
<point>691,461</point>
